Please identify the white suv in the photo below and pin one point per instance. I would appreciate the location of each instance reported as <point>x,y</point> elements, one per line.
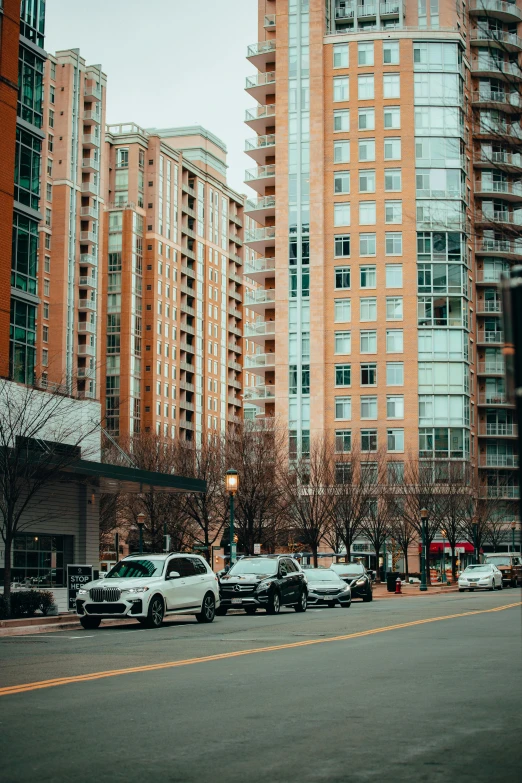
<point>148,587</point>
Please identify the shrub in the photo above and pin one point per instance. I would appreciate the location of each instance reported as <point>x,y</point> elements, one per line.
<point>46,601</point>
<point>25,603</point>
<point>3,608</point>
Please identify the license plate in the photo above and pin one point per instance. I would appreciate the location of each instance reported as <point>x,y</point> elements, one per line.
<point>237,600</point>
<point>330,598</point>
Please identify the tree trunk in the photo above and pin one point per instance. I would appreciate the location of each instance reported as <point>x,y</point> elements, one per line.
<point>7,574</point>
<point>453,565</point>
<point>406,567</point>
<point>378,569</point>
<point>314,552</point>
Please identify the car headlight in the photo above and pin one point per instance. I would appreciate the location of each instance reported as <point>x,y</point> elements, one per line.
<point>134,589</point>
<point>82,591</point>
<point>264,586</point>
<point>360,582</point>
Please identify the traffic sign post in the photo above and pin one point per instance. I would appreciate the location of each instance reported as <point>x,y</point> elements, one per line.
<point>77,576</point>
<point>257,549</point>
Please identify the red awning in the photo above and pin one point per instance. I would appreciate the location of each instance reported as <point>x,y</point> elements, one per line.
<point>461,547</point>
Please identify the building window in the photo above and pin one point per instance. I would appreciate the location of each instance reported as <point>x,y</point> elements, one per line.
<point>342,342</point>
<point>342,277</point>
<point>342,245</point>
<point>366,119</point>
<point>47,287</point>
<point>368,407</point>
<point>46,310</point>
<point>394,374</point>
<point>365,53</point>
<point>343,310</point>
<point>392,117</point>
<point>366,87</point>
<point>395,440</point>
<point>343,408</point>
<point>392,149</point>
<point>47,216</point>
<point>391,85</point>
<point>368,309</point>
<point>390,52</point>
<point>395,407</point>
<point>392,179</point>
<point>341,151</point>
<point>27,169</point>
<point>52,94</point>
<point>51,118</point>
<point>368,440</point>
<point>47,241</point>
<point>366,150</point>
<point>367,213</point>
<point>393,211</point>
<point>394,341</point>
<point>368,341</point>
<point>22,342</point>
<point>367,181</point>
<point>368,277</point>
<point>343,441</point>
<point>343,374</point>
<point>342,214</point>
<point>367,244</point>
<point>341,89</point>
<point>30,80</point>
<point>49,192</point>
<point>341,120</point>
<point>342,182</point>
<point>394,308</point>
<point>393,243</point>
<point>45,334</point>
<point>50,142</point>
<point>340,56</point>
<point>24,260</point>
<point>368,374</point>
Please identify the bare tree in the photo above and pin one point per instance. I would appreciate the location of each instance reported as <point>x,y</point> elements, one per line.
<point>41,436</point>
<point>456,505</point>
<point>307,485</point>
<point>401,529</point>
<point>256,450</point>
<point>380,506</point>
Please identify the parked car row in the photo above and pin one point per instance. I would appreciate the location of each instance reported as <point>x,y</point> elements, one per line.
<point>152,586</point>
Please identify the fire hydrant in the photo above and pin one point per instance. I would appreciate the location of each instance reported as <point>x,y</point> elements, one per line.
<point>398,586</point>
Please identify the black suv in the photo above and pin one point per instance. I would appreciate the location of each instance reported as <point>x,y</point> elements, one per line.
<point>355,575</point>
<point>266,582</point>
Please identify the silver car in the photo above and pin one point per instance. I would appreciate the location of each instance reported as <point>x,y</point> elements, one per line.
<point>327,587</point>
<point>480,577</point>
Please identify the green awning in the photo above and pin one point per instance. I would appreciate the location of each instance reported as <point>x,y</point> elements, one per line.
<point>119,478</point>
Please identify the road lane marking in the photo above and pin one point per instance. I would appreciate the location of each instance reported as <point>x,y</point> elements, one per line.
<point>34,686</point>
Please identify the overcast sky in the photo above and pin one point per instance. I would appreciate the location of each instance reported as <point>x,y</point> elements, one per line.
<point>168,62</point>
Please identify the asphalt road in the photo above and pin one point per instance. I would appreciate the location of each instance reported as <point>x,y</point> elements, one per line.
<point>404,696</point>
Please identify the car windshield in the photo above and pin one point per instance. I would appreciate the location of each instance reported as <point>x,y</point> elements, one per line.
<point>321,575</point>
<point>477,569</point>
<point>348,569</point>
<point>498,561</point>
<point>134,569</point>
<point>258,567</point>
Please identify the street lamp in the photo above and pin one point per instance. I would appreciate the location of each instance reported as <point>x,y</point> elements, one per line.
<point>443,558</point>
<point>141,522</point>
<point>424,516</point>
<point>513,528</point>
<point>476,554</point>
<point>232,485</point>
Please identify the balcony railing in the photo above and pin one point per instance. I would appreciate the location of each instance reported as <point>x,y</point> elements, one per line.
<point>489,306</point>
<point>260,142</point>
<point>90,187</point>
<point>496,66</point>
<point>509,492</point>
<point>91,163</point>
<point>494,337</point>
<point>495,96</point>
<point>259,393</point>
<point>260,329</point>
<point>501,158</point>
<point>88,236</point>
<point>509,188</point>
<point>260,265</point>
<point>92,115</point>
<point>498,216</point>
<point>86,304</point>
<point>260,79</point>
<point>260,296</point>
<point>366,10</point>
<point>86,350</point>
<point>260,234</point>
<point>498,429</point>
<point>86,372</point>
<point>260,360</point>
<point>390,9</point>
<point>264,202</point>
<point>260,172</point>
<point>89,212</point>
<point>498,460</point>
<point>88,259</point>
<point>94,91</point>
<point>492,368</point>
<point>485,34</point>
<point>259,112</point>
<point>85,327</point>
<point>262,47</point>
<point>492,398</point>
<point>505,246</point>
<point>87,281</point>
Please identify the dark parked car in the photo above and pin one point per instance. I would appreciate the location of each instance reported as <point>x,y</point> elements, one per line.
<point>510,564</point>
<point>355,575</point>
<point>263,583</point>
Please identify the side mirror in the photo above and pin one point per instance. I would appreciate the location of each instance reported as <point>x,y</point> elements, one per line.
<point>173,575</point>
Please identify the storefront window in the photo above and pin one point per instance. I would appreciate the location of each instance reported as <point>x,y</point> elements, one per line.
<point>40,560</point>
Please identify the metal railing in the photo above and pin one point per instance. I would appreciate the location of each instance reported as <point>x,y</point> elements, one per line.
<point>260,79</point>
<point>259,112</point>
<point>260,172</point>
<point>513,69</point>
<point>259,142</point>
<point>260,329</point>
<point>88,259</point>
<point>260,296</point>
<point>88,236</point>
<point>509,492</point>
<point>260,360</point>
<point>492,398</point>
<point>263,202</point>
<point>505,246</point>
<point>498,460</point>
<point>260,234</point>
<point>492,368</point>
<point>262,47</point>
<point>498,429</point>
<point>501,186</point>
<point>85,327</point>
<point>489,306</point>
<point>496,337</point>
<point>496,96</point>
<point>259,393</point>
<point>259,265</point>
<point>370,9</point>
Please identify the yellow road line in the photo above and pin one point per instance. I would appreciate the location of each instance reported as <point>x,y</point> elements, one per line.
<point>34,686</point>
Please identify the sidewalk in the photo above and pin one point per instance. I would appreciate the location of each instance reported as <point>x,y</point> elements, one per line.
<point>412,591</point>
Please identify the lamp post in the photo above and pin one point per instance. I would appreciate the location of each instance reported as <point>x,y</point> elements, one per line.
<point>424,516</point>
<point>476,556</point>
<point>232,485</point>
<point>141,522</point>
<point>443,558</point>
<point>513,528</point>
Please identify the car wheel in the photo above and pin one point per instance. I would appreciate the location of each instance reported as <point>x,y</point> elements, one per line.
<point>274,604</point>
<point>471,589</point>
<point>514,583</point>
<point>492,586</point>
<point>250,609</point>
<point>501,585</point>
<point>368,597</point>
<point>156,612</point>
<point>221,611</point>
<point>90,623</point>
<point>208,609</point>
<point>347,605</point>
<point>302,603</point>
<point>461,589</point>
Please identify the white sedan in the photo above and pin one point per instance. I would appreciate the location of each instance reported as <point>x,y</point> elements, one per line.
<point>480,577</point>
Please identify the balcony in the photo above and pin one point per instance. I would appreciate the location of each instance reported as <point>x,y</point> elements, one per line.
<point>260,269</point>
<point>87,281</point>
<point>491,368</point>
<point>260,363</point>
<point>260,146</point>
<point>390,10</point>
<point>262,53</point>
<point>490,338</point>
<point>234,237</point>
<point>502,493</point>
<point>91,140</point>
<point>235,347</point>
<point>85,327</point>
<point>233,365</point>
<point>234,257</point>
<point>489,306</point>
<point>510,191</point>
<point>187,270</point>
<point>188,211</point>
<point>233,329</point>
<point>187,328</point>
<point>497,429</point>
<point>495,99</point>
<point>496,69</point>
<point>269,22</point>
<point>498,218</point>
<point>86,350</point>
<point>188,290</point>
<point>232,310</point>
<point>260,300</point>
<point>186,188</point>
<point>186,251</point>
<point>367,11</point>
<point>234,384</point>
<point>188,406</point>
<point>90,164</point>
<point>92,90</point>
<point>261,238</point>
<point>260,331</point>
<point>507,248</point>
<point>261,177</point>
<point>235,294</point>
<point>496,9</point>
<point>260,85</point>
<point>86,372</point>
<point>89,212</point>
<point>503,159</point>
<point>185,308</point>
<point>187,386</point>
<point>88,237</point>
<point>187,347</point>
<point>86,394</point>
<point>493,399</point>
<point>498,460</point>
<point>260,208</point>
<point>90,187</point>
<point>88,259</point>
<point>91,118</point>
<point>235,219</point>
<point>507,41</point>
<point>261,118</point>
<point>233,400</point>
<point>185,424</point>
<point>259,394</point>
<point>188,231</point>
<point>87,304</point>
<point>187,366</point>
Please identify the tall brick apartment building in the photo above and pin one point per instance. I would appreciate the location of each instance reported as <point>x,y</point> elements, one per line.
<point>389,193</point>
